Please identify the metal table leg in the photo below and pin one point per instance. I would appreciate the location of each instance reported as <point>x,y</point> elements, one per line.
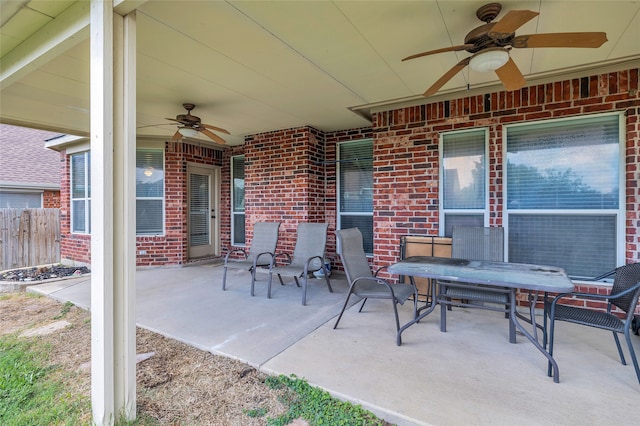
<point>532,338</point>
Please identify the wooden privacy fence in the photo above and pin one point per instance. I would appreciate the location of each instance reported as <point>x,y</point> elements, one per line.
<point>29,237</point>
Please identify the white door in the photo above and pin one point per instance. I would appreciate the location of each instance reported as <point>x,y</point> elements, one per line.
<point>203,194</point>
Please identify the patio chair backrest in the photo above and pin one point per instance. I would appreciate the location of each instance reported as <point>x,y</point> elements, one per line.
<point>265,240</point>
<point>351,251</point>
<point>311,241</point>
<point>478,243</point>
<point>626,277</point>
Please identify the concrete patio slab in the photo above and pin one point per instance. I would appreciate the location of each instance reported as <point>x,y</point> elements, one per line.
<point>469,375</point>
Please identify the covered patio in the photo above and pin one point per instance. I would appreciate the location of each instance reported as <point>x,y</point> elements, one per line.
<point>292,82</point>
<point>469,375</point>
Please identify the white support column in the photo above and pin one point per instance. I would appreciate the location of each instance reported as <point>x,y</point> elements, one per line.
<point>112,214</point>
<point>124,204</point>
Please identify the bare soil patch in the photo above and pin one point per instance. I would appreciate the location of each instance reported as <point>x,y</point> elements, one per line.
<point>177,385</point>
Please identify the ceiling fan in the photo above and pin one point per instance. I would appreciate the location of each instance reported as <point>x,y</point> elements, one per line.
<point>490,44</point>
<point>191,125</point>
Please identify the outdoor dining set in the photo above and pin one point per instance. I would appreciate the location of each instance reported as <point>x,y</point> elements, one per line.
<point>475,276</point>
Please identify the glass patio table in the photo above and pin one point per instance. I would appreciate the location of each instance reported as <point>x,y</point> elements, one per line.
<point>514,276</point>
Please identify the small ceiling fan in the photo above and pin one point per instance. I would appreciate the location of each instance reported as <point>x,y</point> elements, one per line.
<point>191,125</point>
<point>490,44</point>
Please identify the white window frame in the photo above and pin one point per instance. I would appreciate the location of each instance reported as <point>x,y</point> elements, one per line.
<point>86,198</point>
<point>233,212</point>
<point>162,198</point>
<point>441,190</point>
<point>339,211</point>
<point>620,212</point>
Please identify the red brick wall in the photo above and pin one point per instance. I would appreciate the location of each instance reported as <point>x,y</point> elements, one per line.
<point>50,199</point>
<point>406,156</point>
<point>284,180</point>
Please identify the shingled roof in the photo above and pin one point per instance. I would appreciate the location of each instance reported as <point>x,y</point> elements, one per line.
<point>25,160</point>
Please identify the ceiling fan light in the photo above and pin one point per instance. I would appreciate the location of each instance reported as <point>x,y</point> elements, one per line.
<point>489,60</point>
<point>188,132</point>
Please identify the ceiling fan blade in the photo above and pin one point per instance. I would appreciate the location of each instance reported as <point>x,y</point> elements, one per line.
<point>560,40</point>
<point>444,49</point>
<point>511,76</point>
<point>219,129</point>
<point>154,125</point>
<point>447,76</point>
<point>513,20</point>
<point>173,119</point>
<point>176,137</point>
<point>213,136</point>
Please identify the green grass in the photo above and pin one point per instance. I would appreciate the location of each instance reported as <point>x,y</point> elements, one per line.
<point>29,395</point>
<point>316,406</point>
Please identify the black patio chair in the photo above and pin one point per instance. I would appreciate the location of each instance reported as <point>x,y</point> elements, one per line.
<point>624,295</point>
<point>475,243</point>
<point>362,282</point>
<point>261,252</point>
<point>308,257</point>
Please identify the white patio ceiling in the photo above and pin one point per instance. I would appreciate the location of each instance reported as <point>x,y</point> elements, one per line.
<point>255,66</point>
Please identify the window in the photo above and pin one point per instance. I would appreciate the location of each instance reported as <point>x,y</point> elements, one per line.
<point>81,193</point>
<point>463,179</point>
<point>149,192</point>
<point>237,201</point>
<point>564,205</point>
<point>355,189</point>
<point>20,200</point>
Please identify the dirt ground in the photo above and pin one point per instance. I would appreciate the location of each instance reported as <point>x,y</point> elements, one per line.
<point>177,384</point>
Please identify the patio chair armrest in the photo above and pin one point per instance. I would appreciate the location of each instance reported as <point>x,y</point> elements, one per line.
<point>595,296</point>
<point>309,260</point>
<point>264,253</point>
<point>286,255</point>
<point>376,280</point>
<point>380,269</point>
<point>235,250</point>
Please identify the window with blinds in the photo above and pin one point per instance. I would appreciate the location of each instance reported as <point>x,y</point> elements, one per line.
<point>563,198</point>
<point>237,201</point>
<point>355,189</point>
<point>463,179</point>
<point>81,193</point>
<point>149,192</point>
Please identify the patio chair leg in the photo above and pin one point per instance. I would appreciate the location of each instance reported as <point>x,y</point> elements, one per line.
<point>326,277</point>
<point>253,281</point>
<point>362,306</point>
<point>224,278</point>
<point>304,290</point>
<point>627,335</point>
<point>268,286</point>
<point>395,312</point>
<point>615,337</point>
<point>346,302</point>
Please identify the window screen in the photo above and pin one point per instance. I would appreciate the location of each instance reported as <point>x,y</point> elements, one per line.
<point>463,179</point>
<point>563,194</point>
<point>355,189</point>
<point>237,201</point>
<point>149,192</point>
<point>81,193</point>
